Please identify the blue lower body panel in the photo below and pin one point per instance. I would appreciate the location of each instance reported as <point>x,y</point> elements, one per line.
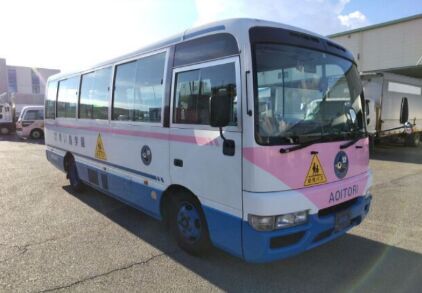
<point>283,243</point>
<point>55,159</point>
<point>137,195</point>
<point>225,230</point>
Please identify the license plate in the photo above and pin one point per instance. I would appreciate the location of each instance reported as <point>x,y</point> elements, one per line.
<point>342,220</point>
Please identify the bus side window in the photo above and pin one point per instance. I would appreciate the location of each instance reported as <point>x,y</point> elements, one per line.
<point>93,101</point>
<point>194,89</point>
<point>50,102</point>
<point>123,95</point>
<point>67,97</point>
<point>138,89</point>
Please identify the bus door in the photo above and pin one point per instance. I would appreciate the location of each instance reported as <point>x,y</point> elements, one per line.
<point>197,161</point>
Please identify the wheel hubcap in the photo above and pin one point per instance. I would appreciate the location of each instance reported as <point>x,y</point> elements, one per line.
<point>188,222</point>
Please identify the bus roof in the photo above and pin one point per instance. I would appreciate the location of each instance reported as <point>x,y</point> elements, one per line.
<point>235,26</point>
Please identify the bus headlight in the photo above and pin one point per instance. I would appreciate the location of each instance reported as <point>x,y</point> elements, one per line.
<point>269,223</point>
<point>261,223</point>
<point>291,219</point>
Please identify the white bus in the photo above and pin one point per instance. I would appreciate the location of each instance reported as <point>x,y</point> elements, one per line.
<point>209,132</point>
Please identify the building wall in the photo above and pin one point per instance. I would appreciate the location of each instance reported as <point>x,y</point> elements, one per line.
<point>24,78</point>
<point>24,94</point>
<point>3,76</point>
<point>391,46</point>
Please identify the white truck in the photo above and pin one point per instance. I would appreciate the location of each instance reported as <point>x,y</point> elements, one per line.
<point>386,94</point>
<point>6,118</point>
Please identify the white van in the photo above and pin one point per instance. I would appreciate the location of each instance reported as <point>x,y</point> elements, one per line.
<point>31,122</point>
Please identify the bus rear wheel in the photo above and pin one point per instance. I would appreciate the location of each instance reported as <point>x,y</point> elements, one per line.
<point>188,225</point>
<point>72,174</point>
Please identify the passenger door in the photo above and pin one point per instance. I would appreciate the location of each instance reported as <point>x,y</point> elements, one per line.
<point>197,161</point>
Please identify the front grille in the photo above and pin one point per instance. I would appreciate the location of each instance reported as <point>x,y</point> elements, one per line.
<point>337,208</point>
<point>287,240</point>
<point>323,235</point>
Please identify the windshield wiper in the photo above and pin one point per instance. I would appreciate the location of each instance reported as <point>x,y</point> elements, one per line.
<point>356,137</point>
<point>301,146</point>
<point>350,143</point>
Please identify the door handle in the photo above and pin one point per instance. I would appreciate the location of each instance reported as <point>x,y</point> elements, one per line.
<point>178,162</point>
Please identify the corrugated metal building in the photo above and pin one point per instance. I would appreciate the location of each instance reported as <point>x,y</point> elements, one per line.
<point>394,46</point>
<point>389,57</point>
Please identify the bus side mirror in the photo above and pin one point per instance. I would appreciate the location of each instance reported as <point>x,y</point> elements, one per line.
<point>219,117</point>
<point>220,111</point>
<point>404,111</point>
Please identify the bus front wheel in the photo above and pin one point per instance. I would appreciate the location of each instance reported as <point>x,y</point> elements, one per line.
<point>188,225</point>
<point>72,173</point>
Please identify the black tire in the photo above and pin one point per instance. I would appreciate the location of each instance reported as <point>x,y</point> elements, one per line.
<point>413,139</point>
<point>371,144</point>
<point>72,174</point>
<point>36,134</point>
<point>184,225</point>
<point>4,130</point>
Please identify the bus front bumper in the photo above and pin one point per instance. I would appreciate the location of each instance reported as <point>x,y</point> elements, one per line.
<point>279,244</point>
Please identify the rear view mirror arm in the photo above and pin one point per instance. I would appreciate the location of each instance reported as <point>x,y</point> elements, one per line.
<point>221,134</point>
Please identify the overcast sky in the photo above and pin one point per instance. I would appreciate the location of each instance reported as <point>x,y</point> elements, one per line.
<point>72,34</point>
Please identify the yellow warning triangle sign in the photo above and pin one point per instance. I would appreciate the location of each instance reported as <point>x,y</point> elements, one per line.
<point>99,149</point>
<point>315,174</point>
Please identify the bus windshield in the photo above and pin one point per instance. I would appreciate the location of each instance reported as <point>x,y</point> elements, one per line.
<point>304,95</point>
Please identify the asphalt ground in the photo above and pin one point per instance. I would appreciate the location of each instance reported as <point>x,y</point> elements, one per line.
<point>54,240</point>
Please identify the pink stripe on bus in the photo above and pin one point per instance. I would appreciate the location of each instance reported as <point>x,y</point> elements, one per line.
<point>198,140</point>
<point>292,168</point>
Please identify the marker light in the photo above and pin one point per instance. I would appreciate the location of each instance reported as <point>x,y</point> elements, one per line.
<point>269,223</point>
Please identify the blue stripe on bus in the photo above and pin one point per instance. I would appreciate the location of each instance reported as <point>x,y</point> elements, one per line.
<point>225,230</point>
<point>123,189</point>
<point>154,177</point>
<point>142,197</point>
<point>55,159</point>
